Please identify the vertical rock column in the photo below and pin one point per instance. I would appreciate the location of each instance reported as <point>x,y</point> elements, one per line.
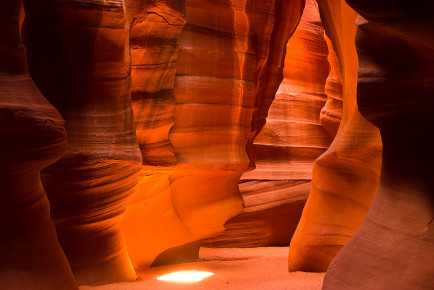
<point>230,58</point>
<point>394,248</point>
<point>155,29</point>
<point>285,149</point>
<point>345,178</point>
<point>32,137</point>
<point>229,68</point>
<point>150,224</point>
<point>79,57</point>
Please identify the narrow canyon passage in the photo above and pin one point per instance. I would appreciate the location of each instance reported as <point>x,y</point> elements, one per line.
<point>258,144</point>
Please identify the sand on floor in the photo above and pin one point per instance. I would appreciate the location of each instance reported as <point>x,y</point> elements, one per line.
<point>233,268</point>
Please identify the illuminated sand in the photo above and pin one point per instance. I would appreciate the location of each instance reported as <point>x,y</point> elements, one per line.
<point>234,268</point>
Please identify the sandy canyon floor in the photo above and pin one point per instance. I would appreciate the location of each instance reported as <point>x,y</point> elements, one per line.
<point>235,268</point>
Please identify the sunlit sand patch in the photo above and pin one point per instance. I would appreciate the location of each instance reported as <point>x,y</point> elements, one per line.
<point>185,276</point>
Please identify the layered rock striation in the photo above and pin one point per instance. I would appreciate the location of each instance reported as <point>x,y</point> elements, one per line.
<point>394,247</point>
<point>222,65</point>
<point>150,218</point>
<point>344,178</point>
<point>32,137</point>
<point>292,138</point>
<point>79,57</point>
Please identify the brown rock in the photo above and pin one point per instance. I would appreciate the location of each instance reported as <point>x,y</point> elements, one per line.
<point>345,178</point>
<point>79,58</point>
<point>331,114</point>
<point>394,247</point>
<point>275,192</point>
<point>150,224</point>
<point>155,30</point>
<point>227,67</point>
<point>223,58</point>
<point>32,137</point>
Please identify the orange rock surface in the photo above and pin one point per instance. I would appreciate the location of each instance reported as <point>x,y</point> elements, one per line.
<point>32,137</point>
<point>220,63</point>
<point>275,192</point>
<point>221,74</point>
<point>331,113</point>
<point>394,247</point>
<point>163,105</point>
<point>155,29</point>
<point>79,57</point>
<point>345,178</point>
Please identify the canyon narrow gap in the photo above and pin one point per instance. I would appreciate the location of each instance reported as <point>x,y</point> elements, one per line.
<point>230,144</point>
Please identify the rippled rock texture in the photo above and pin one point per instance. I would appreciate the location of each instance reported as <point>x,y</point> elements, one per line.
<point>228,58</point>
<point>32,137</point>
<point>345,178</point>
<point>394,247</point>
<point>293,137</point>
<point>150,222</point>
<point>165,104</point>
<point>78,54</point>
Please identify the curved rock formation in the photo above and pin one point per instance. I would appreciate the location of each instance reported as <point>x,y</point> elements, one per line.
<point>222,75</point>
<point>394,248</point>
<point>155,29</point>
<point>32,137</point>
<point>79,57</point>
<point>345,178</point>
<point>275,192</point>
<point>150,224</point>
<point>230,56</point>
<point>331,114</point>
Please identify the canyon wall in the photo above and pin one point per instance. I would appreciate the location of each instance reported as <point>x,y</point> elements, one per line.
<point>228,60</point>
<point>154,110</point>
<point>394,247</point>
<point>344,178</point>
<point>78,55</point>
<point>292,138</point>
<point>89,57</point>
<point>32,137</point>
<point>150,217</point>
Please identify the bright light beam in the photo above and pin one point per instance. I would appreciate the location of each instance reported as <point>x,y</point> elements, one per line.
<point>185,276</point>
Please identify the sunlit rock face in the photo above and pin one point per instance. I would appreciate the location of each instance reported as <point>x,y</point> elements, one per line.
<point>345,178</point>
<point>78,53</point>
<point>233,72</point>
<point>228,61</point>
<point>155,29</point>
<point>163,105</point>
<point>32,137</point>
<point>293,137</point>
<point>394,247</point>
<point>150,219</point>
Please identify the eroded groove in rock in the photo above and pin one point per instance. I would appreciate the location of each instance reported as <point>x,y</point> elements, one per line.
<point>229,69</point>
<point>331,114</point>
<point>287,146</point>
<point>79,58</point>
<point>33,137</point>
<point>154,34</point>
<point>394,248</point>
<point>150,224</point>
<point>345,178</point>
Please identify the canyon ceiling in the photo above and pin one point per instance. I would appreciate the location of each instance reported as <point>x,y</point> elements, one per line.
<point>133,132</point>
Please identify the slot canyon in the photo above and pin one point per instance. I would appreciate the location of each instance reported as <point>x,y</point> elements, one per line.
<point>232,144</point>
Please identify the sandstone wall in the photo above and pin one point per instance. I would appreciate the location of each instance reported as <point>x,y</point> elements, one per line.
<point>78,53</point>
<point>292,138</point>
<point>32,137</point>
<point>345,178</point>
<point>393,249</point>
